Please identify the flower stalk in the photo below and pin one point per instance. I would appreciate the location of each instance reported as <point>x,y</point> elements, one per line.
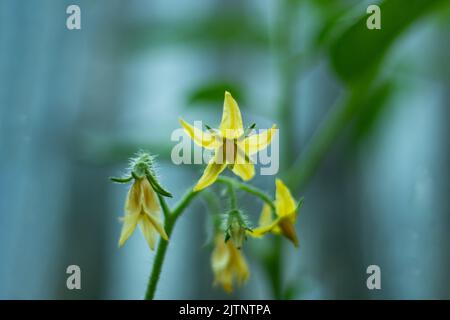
<point>171,217</point>
<point>249,189</point>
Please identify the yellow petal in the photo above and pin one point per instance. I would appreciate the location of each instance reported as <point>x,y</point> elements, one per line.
<point>227,284</point>
<point>228,263</point>
<point>210,175</point>
<point>203,139</point>
<point>239,264</point>
<point>220,262</point>
<point>262,230</point>
<point>129,224</point>
<point>149,201</point>
<point>148,231</point>
<point>155,220</point>
<point>242,167</point>
<point>245,171</point>
<point>231,125</point>
<point>220,256</point>
<point>284,203</point>
<point>266,223</point>
<point>266,215</point>
<point>134,198</point>
<point>225,278</point>
<point>257,142</point>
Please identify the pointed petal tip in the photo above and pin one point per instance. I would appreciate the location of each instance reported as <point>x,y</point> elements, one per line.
<point>293,238</point>
<point>280,184</point>
<point>184,124</point>
<point>228,288</point>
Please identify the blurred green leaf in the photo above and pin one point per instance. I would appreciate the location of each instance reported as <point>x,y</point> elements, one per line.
<point>213,94</point>
<point>295,288</point>
<point>339,118</point>
<point>367,119</point>
<point>358,51</point>
<point>331,15</point>
<point>238,29</point>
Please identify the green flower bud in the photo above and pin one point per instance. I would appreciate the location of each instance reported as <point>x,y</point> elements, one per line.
<point>236,228</point>
<point>142,166</point>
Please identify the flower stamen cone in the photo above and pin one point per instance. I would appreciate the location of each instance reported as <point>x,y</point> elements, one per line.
<point>142,207</point>
<point>236,227</point>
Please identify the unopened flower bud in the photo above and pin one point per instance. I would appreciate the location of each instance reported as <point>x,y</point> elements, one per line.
<point>236,228</point>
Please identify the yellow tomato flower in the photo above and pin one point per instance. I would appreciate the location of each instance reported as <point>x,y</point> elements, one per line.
<point>286,211</point>
<point>228,264</point>
<point>142,207</point>
<point>230,144</point>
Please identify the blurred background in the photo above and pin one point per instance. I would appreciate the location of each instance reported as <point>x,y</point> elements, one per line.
<point>363,117</point>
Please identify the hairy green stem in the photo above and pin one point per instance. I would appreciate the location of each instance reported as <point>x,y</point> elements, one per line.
<point>159,260</point>
<point>341,115</point>
<point>233,201</point>
<point>171,218</point>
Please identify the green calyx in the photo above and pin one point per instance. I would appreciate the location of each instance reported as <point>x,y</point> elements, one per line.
<point>141,167</point>
<point>236,227</point>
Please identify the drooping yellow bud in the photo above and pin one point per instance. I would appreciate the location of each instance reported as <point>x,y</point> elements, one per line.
<point>228,264</point>
<point>142,207</point>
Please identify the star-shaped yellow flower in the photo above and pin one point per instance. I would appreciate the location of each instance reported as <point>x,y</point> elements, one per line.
<point>228,264</point>
<point>142,207</point>
<point>230,144</point>
<point>286,210</point>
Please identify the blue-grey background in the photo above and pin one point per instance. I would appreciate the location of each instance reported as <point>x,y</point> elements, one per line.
<point>74,105</point>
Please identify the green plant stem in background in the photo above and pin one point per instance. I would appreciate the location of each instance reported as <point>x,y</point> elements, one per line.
<point>274,267</point>
<point>213,207</point>
<point>341,115</point>
<point>247,188</point>
<point>171,218</point>
<point>273,263</point>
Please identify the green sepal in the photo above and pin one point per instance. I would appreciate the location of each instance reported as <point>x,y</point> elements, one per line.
<point>156,186</point>
<point>300,204</point>
<point>135,176</point>
<point>227,236</point>
<point>249,130</point>
<point>121,180</point>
